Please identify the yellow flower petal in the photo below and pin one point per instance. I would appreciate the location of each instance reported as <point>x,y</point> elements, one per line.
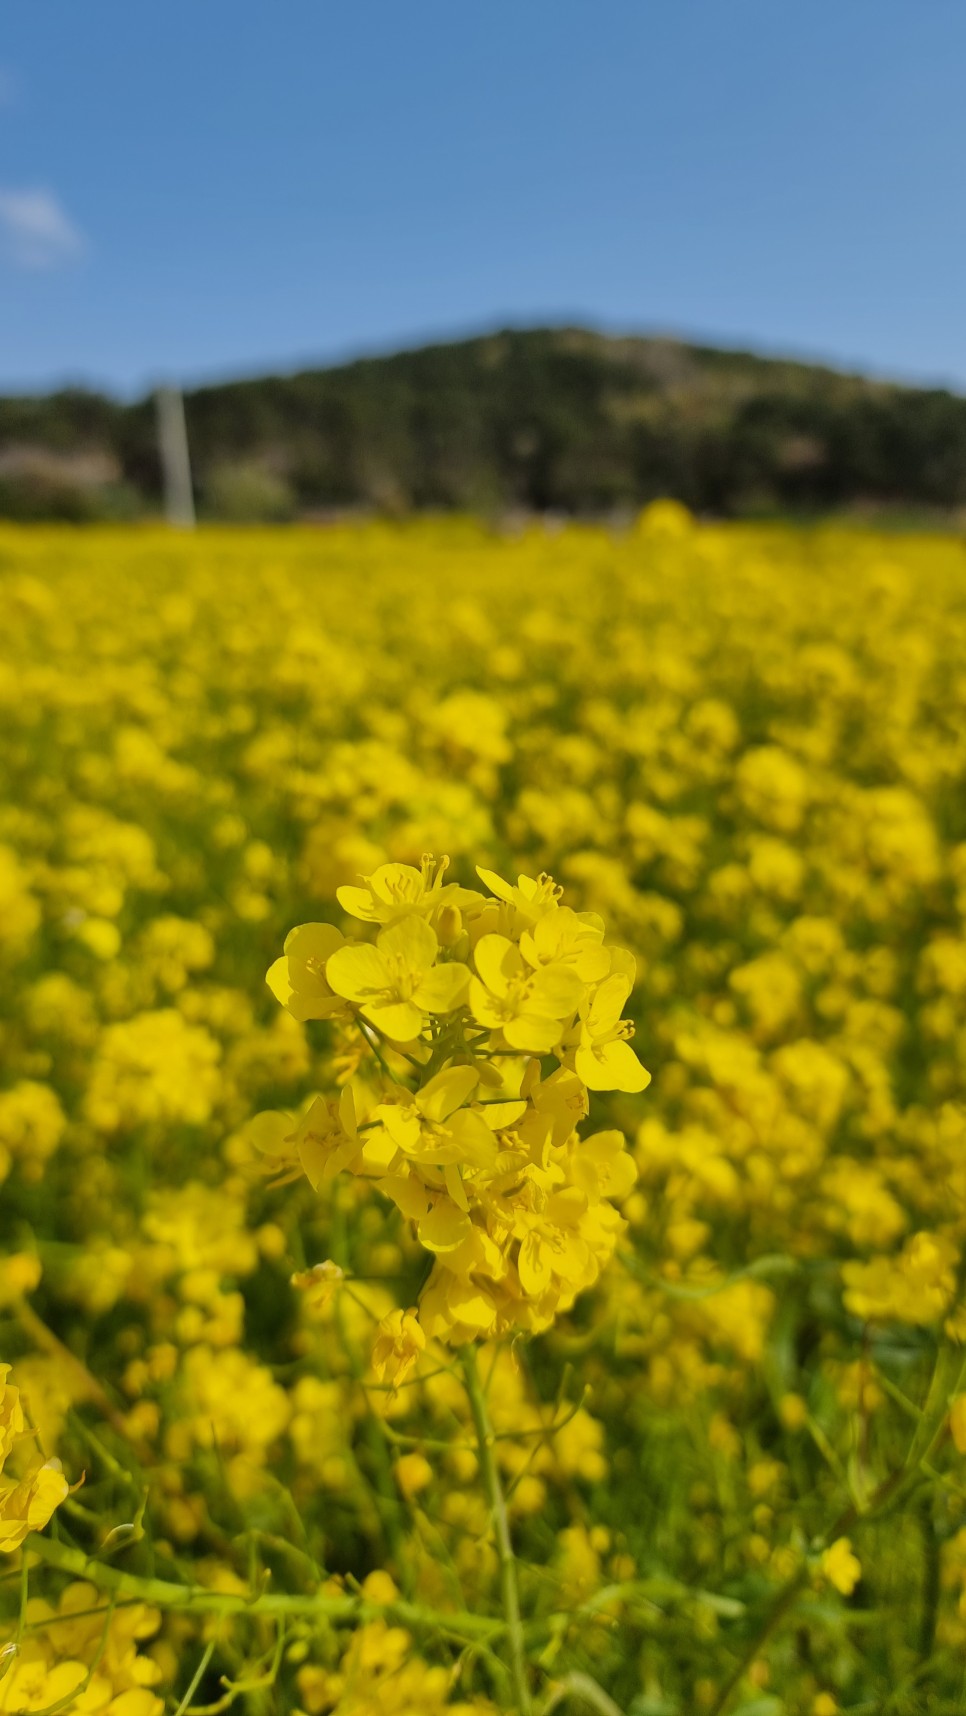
<point>446,1092</point>
<point>611,1066</point>
<point>607,1004</point>
<point>537,1035</point>
<point>495,957</point>
<point>408,1194</point>
<point>495,883</point>
<point>445,1227</point>
<point>357,970</point>
<point>555,990</point>
<point>400,1021</point>
<point>499,1115</point>
<point>411,942</point>
<point>442,988</point>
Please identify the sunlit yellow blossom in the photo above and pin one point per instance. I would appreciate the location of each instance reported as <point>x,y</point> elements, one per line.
<point>531,899</point>
<point>20,1272</point>
<point>27,1502</point>
<point>397,983</point>
<point>529,1006</point>
<point>73,1647</point>
<point>325,1137</point>
<point>320,1284</point>
<point>380,1674</point>
<point>298,980</point>
<point>11,1414</point>
<point>603,1058</point>
<point>435,1129</point>
<point>477,1151</point>
<point>396,891</point>
<point>915,1287</point>
<point>566,937</point>
<point>397,1348</point>
<point>842,1568</point>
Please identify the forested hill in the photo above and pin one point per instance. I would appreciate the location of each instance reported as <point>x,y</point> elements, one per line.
<point>549,420</point>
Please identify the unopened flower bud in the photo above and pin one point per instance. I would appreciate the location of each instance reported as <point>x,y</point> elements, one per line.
<point>449,925</point>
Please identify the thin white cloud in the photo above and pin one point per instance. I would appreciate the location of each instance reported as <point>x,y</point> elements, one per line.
<point>35,231</point>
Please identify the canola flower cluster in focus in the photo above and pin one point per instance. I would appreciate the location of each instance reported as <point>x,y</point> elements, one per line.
<point>253,1234</point>
<point>482,1157</point>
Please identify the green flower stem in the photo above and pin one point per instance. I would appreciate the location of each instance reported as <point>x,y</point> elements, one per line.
<point>949,1373</point>
<point>86,1384</point>
<point>386,1495</point>
<point>931,1582</point>
<point>198,1600</point>
<point>779,1608</point>
<point>585,1689</point>
<point>501,1526</point>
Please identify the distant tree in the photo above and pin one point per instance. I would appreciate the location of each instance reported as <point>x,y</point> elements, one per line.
<point>560,420</point>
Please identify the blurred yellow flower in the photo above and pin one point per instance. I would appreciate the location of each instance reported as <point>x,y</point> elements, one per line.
<point>841,1567</point>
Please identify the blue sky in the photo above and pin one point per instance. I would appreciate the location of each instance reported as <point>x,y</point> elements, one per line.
<point>223,187</point>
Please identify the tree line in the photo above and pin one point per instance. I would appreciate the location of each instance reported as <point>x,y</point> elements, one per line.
<point>546,420</point>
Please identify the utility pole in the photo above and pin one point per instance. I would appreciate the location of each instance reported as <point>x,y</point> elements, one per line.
<point>179,504</point>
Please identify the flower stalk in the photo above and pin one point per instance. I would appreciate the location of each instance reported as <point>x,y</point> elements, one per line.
<point>200,1600</point>
<point>509,1589</point>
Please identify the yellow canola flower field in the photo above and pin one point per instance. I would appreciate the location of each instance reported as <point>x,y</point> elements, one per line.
<point>382,1341</point>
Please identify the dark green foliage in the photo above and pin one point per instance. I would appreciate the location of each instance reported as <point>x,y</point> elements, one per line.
<point>547,420</point>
